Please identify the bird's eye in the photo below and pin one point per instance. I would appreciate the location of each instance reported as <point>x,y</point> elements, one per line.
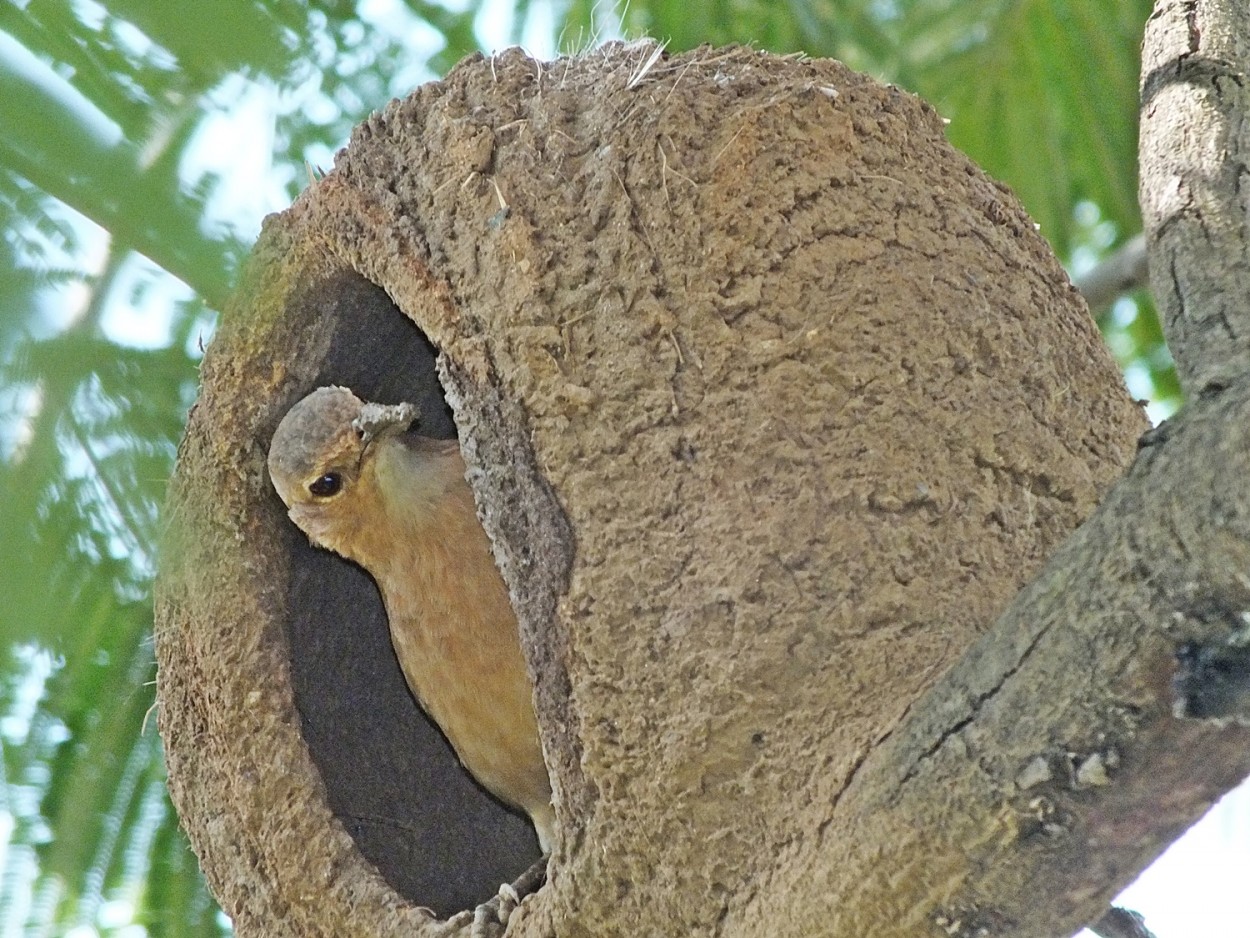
<point>327,485</point>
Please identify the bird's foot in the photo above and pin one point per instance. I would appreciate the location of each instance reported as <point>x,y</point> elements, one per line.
<point>491,917</point>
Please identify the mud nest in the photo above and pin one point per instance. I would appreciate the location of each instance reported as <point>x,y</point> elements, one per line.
<point>771,400</point>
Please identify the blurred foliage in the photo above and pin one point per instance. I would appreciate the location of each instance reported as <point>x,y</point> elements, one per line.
<point>121,237</point>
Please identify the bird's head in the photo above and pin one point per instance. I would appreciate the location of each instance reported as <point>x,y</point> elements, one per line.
<point>320,463</point>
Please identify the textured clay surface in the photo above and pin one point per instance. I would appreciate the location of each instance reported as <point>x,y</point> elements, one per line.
<point>772,401</point>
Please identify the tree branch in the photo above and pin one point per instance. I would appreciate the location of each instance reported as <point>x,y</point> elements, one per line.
<point>1195,147</point>
<point>1121,923</point>
<point>1051,759</point>
<point>1122,272</point>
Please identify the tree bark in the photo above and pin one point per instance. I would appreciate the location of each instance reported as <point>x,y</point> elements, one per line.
<point>1194,153</point>
<point>772,402</point>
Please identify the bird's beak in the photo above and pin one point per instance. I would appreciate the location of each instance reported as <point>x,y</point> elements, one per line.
<point>381,420</point>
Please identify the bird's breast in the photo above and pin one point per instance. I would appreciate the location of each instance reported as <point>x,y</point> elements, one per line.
<point>455,635</point>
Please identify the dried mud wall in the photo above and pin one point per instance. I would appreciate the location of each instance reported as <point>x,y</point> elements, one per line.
<point>771,400</point>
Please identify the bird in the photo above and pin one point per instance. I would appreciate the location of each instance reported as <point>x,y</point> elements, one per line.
<point>358,482</point>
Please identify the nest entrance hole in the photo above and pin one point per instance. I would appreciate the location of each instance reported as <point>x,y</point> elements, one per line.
<point>391,778</point>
